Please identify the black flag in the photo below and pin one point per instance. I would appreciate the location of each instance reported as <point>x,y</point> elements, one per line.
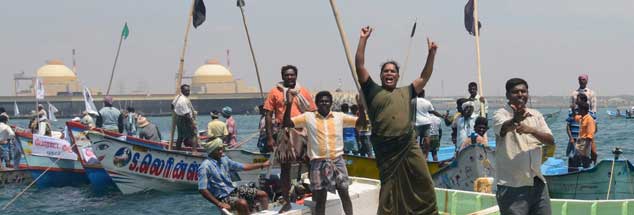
<point>468,18</point>
<point>413,30</point>
<point>240,3</point>
<point>198,13</point>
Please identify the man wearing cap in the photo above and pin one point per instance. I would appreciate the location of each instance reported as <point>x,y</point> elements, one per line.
<point>148,130</point>
<point>110,118</point>
<point>216,128</point>
<point>583,88</point>
<point>215,185</point>
<point>232,130</point>
<point>185,119</point>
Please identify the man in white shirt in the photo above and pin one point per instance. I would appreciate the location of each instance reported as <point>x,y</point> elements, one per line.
<point>185,119</point>
<point>583,88</point>
<point>520,133</point>
<point>481,106</point>
<point>6,134</point>
<point>423,119</point>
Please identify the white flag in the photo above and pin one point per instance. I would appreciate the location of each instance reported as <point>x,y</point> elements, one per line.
<point>39,89</point>
<point>16,110</point>
<point>90,104</point>
<point>51,112</point>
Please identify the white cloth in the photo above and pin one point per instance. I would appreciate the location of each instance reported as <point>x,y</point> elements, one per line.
<point>6,132</point>
<point>592,98</point>
<point>477,105</point>
<point>518,157</point>
<point>423,106</point>
<point>434,128</point>
<point>464,128</point>
<point>183,106</point>
<point>302,103</point>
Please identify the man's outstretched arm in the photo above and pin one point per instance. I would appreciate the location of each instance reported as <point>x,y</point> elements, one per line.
<point>422,80</point>
<point>362,73</point>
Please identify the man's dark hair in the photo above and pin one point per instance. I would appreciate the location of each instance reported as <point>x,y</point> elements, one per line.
<point>473,84</point>
<point>461,101</point>
<point>354,108</point>
<point>321,94</point>
<point>514,82</point>
<point>130,109</point>
<point>583,106</point>
<point>4,118</point>
<point>345,108</point>
<point>393,63</point>
<point>183,86</point>
<point>287,67</point>
<point>481,121</point>
<point>215,114</point>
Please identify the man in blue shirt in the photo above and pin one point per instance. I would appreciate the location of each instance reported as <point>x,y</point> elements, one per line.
<point>215,185</point>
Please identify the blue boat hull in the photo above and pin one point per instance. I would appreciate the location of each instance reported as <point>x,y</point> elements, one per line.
<point>100,181</point>
<point>58,178</point>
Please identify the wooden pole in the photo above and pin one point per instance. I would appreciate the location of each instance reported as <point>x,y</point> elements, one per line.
<point>113,66</point>
<point>477,39</point>
<point>346,48</point>
<point>180,73</point>
<point>255,62</point>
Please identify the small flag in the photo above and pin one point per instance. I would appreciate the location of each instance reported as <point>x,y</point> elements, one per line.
<point>240,3</point>
<point>124,33</point>
<point>39,89</point>
<point>51,112</point>
<point>89,103</point>
<point>413,30</point>
<point>198,13</point>
<point>16,110</point>
<point>469,18</point>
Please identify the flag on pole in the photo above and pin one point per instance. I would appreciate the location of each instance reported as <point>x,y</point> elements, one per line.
<point>413,30</point>
<point>124,33</point>
<point>39,89</point>
<point>16,110</point>
<point>198,13</point>
<point>240,3</point>
<point>88,101</point>
<point>51,112</point>
<point>469,18</point>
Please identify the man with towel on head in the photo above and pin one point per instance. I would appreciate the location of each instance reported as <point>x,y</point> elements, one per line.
<point>406,185</point>
<point>231,139</point>
<point>290,141</point>
<point>215,185</point>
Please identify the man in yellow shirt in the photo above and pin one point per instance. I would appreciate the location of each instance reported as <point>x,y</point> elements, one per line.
<point>325,149</point>
<point>216,128</point>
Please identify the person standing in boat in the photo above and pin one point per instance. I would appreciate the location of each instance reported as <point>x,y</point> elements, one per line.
<point>520,133</point>
<point>325,149</point>
<point>232,131</point>
<point>110,118</point>
<point>583,88</point>
<point>423,115</point>
<point>481,106</point>
<point>585,142</point>
<point>400,160</point>
<point>129,120</point>
<point>289,143</point>
<point>6,135</point>
<point>215,185</point>
<point>185,120</point>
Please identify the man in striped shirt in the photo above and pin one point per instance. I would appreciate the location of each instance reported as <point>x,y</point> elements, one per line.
<point>325,149</point>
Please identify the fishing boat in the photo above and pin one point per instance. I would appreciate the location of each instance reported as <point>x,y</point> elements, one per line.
<point>471,163</point>
<point>593,183</point>
<point>51,170</point>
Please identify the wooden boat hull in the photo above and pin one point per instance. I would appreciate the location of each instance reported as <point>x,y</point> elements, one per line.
<point>592,183</point>
<point>99,179</point>
<point>472,162</point>
<point>61,173</point>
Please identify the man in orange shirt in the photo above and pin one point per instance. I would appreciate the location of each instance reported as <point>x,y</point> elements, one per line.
<point>585,142</point>
<point>290,141</point>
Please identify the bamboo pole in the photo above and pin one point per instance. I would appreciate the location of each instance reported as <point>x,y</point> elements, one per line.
<point>180,73</point>
<point>346,48</point>
<point>477,39</point>
<point>255,62</point>
<point>113,66</point>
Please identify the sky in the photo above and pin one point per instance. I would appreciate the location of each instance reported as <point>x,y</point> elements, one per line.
<point>548,43</point>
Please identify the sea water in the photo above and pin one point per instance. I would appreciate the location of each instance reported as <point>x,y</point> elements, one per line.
<point>612,132</point>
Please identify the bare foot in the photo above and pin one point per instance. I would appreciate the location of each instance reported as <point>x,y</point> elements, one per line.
<point>286,207</point>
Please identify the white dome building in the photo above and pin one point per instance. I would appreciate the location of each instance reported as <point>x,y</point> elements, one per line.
<point>57,78</point>
<point>213,78</point>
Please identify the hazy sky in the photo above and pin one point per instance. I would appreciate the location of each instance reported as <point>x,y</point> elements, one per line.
<point>546,42</point>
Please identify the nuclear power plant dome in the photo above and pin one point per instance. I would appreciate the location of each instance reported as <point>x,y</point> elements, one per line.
<point>55,68</point>
<point>211,72</point>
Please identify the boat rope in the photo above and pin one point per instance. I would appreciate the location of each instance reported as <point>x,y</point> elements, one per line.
<point>250,137</point>
<point>34,181</point>
<point>607,196</point>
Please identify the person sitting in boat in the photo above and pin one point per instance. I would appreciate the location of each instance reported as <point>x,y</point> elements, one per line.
<point>6,134</point>
<point>215,185</point>
<point>148,130</point>
<point>583,146</point>
<point>110,118</point>
<point>479,135</point>
<point>231,139</point>
<point>216,128</point>
<point>325,149</point>
<point>465,124</point>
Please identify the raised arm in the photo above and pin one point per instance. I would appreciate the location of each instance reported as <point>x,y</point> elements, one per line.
<point>362,73</point>
<point>422,80</point>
